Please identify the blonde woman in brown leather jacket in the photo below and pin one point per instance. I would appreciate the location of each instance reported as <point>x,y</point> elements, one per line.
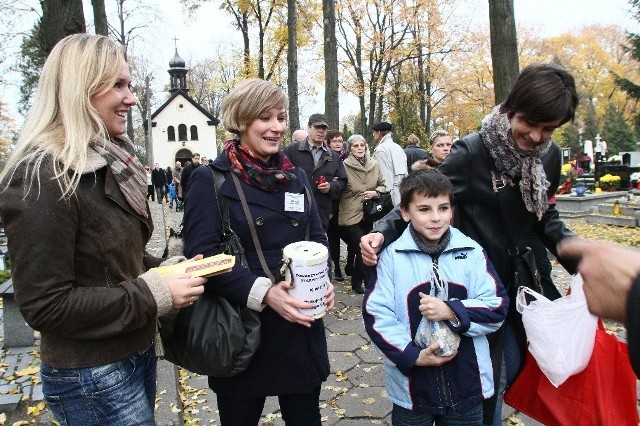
<point>73,201</point>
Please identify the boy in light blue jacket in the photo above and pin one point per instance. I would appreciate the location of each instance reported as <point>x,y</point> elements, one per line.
<point>424,387</point>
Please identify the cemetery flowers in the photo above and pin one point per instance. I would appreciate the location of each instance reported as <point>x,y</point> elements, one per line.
<point>610,182</point>
<point>569,172</point>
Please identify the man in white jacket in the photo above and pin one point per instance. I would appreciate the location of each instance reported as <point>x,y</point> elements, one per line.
<point>392,159</point>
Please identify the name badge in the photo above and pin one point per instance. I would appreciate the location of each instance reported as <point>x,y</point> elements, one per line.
<point>293,202</point>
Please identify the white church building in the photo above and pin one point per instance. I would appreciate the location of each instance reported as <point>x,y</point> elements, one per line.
<point>181,126</point>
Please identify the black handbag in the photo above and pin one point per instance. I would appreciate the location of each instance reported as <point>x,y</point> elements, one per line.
<point>214,336</point>
<point>376,208</point>
<point>525,271</point>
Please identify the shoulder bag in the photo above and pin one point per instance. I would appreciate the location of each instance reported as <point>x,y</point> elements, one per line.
<point>215,336</point>
<point>376,208</point>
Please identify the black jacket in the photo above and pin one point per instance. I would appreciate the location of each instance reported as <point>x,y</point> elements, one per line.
<point>330,166</point>
<point>477,213</point>
<point>185,175</point>
<point>414,153</point>
<point>159,178</point>
<point>633,325</point>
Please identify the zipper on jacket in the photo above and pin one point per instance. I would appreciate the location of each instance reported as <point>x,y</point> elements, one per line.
<point>445,391</point>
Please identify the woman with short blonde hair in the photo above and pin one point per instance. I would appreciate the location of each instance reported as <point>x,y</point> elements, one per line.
<point>292,361</point>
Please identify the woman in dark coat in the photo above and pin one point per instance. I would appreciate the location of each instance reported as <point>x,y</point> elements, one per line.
<point>292,360</point>
<point>504,177</point>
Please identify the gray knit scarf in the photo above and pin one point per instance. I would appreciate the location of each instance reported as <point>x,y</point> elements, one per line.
<point>129,173</point>
<point>431,250</point>
<point>511,161</point>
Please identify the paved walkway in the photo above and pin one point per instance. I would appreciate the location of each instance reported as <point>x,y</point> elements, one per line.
<point>353,395</point>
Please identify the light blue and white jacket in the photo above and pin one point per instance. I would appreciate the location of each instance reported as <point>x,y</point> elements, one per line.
<point>391,318</point>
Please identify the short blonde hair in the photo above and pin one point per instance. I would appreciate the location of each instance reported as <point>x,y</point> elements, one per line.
<point>62,121</point>
<point>413,139</point>
<point>247,101</point>
<point>436,134</point>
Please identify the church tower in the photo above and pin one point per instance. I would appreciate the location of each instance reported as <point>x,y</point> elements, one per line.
<point>178,74</point>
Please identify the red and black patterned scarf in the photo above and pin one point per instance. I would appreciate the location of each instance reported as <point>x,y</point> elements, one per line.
<point>253,171</point>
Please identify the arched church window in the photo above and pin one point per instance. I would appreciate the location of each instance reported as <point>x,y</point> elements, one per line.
<point>171,134</point>
<point>182,132</point>
<point>194,133</point>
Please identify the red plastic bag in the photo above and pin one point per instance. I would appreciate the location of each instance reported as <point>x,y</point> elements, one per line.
<point>603,394</point>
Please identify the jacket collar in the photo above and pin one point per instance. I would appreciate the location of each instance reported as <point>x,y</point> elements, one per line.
<point>386,138</point>
<point>355,164</point>
<point>95,161</point>
<point>458,242</point>
<point>306,145</point>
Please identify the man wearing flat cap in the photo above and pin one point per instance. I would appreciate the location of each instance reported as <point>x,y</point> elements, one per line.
<point>392,159</point>
<point>323,166</point>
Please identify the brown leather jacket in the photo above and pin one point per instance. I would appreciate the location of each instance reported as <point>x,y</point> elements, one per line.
<point>79,265</point>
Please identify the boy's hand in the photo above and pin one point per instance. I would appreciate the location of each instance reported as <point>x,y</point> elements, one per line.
<point>435,309</point>
<point>427,358</point>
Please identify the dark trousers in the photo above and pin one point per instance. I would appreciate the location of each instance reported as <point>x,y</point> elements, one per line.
<point>334,234</point>
<point>150,193</point>
<point>352,235</point>
<point>297,410</point>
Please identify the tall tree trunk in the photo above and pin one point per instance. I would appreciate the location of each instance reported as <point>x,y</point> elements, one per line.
<point>331,90</point>
<point>292,62</point>
<point>100,17</point>
<point>60,18</point>
<point>504,47</point>
<point>247,44</point>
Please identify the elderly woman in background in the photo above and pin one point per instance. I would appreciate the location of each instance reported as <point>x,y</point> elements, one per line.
<point>81,274</point>
<point>292,360</point>
<point>364,181</point>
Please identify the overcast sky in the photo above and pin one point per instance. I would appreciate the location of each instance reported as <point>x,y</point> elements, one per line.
<point>200,35</point>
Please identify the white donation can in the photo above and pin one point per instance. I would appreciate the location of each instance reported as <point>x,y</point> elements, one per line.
<point>307,271</point>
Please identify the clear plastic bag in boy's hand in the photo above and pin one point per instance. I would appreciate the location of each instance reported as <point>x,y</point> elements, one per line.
<point>430,332</point>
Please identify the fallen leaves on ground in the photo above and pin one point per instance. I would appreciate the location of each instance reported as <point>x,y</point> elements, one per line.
<point>514,420</point>
<point>35,410</point>
<point>28,371</point>
<point>610,233</point>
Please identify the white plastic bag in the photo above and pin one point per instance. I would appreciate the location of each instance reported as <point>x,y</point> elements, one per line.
<point>430,331</point>
<point>561,333</point>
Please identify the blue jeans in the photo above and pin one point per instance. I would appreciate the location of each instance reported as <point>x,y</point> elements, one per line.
<point>118,394</point>
<point>471,416</point>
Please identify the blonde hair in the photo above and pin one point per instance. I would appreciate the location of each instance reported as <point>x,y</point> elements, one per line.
<point>62,121</point>
<point>247,101</point>
<point>436,134</point>
<point>413,139</point>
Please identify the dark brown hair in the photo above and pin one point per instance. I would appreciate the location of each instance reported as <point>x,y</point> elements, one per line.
<point>542,93</point>
<point>332,134</point>
<point>428,182</point>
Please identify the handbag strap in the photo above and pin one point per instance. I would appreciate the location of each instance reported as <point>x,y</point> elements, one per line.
<point>252,227</point>
<point>222,202</point>
<point>223,206</point>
